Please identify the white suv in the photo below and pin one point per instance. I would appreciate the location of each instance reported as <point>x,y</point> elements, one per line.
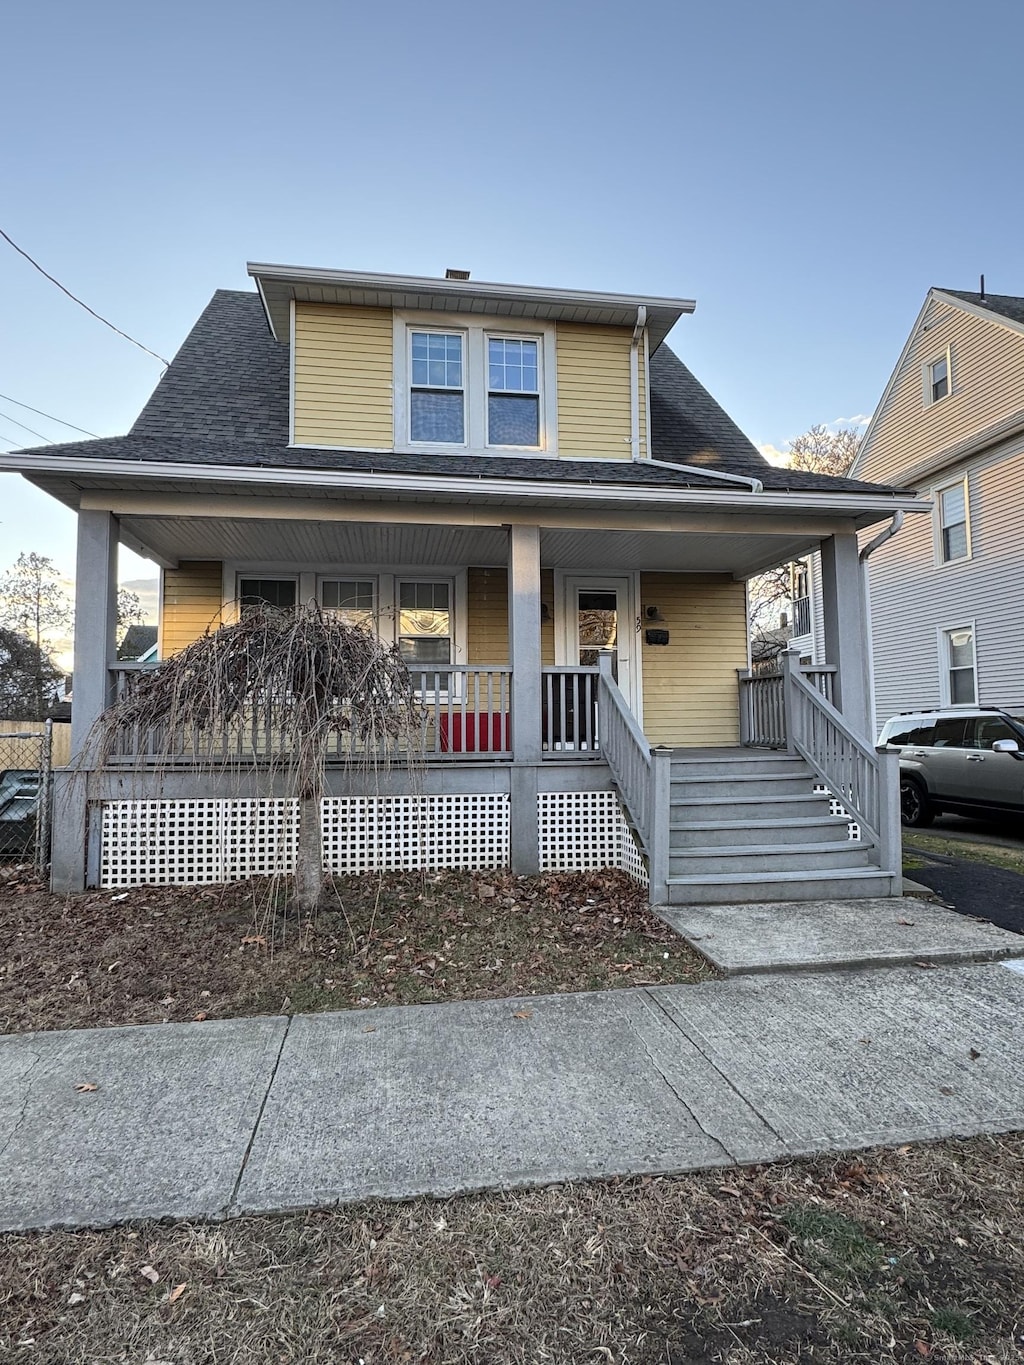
<point>969,761</point>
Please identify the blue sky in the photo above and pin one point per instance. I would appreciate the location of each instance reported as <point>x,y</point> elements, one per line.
<point>804,170</point>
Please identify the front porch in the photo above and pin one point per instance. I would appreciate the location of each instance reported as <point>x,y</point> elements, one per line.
<point>572,681</point>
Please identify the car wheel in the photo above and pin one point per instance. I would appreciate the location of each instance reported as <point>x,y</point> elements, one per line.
<point>915,808</point>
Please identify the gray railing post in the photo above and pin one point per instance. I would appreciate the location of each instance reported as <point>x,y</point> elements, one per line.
<point>746,730</point>
<point>790,672</point>
<point>890,832</point>
<point>660,817</point>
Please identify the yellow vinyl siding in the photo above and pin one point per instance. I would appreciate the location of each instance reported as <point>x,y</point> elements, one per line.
<point>690,687</point>
<point>593,391</point>
<point>191,603</point>
<point>487,616</point>
<point>344,376</point>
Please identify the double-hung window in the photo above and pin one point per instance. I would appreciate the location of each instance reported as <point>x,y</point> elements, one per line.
<point>959,667</point>
<point>936,378</point>
<point>255,592</point>
<point>437,398</point>
<point>349,599</point>
<point>513,392</point>
<point>466,385</point>
<point>954,535</point>
<point>425,631</point>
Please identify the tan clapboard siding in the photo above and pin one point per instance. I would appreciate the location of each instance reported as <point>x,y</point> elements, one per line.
<point>913,598</point>
<point>987,362</point>
<point>344,376</point>
<point>690,685</point>
<point>191,603</point>
<point>593,391</point>
<point>487,616</point>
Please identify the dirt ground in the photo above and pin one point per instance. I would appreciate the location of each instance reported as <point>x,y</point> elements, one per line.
<point>157,954</point>
<point>891,1256</point>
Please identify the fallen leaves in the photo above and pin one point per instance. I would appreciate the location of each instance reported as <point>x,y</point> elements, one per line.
<point>148,1273</point>
<point>86,1087</point>
<point>523,1014</point>
<point>173,1295</point>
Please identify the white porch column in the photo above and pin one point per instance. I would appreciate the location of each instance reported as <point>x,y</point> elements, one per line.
<point>524,657</point>
<point>95,633</point>
<point>847,630</point>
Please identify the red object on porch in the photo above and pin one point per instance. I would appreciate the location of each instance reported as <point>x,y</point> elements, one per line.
<point>486,733</point>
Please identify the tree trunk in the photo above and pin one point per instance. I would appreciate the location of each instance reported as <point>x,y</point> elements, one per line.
<point>309,857</point>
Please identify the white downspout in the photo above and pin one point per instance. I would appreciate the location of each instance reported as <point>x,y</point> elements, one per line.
<point>634,381</point>
<point>868,639</point>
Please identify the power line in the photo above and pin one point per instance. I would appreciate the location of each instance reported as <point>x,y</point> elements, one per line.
<point>11,441</point>
<point>48,415</point>
<point>77,300</point>
<point>8,418</point>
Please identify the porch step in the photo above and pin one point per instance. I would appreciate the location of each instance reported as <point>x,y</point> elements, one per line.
<point>843,883</point>
<point>740,764</point>
<point>804,829</point>
<point>751,809</point>
<point>790,781</point>
<point>741,858</point>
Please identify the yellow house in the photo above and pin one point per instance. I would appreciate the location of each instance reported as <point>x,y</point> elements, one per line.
<point>528,494</point>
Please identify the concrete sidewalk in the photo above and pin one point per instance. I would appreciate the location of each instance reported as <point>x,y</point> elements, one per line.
<point>216,1119</point>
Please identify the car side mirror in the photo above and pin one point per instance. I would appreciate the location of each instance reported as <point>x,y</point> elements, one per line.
<point>1005,746</point>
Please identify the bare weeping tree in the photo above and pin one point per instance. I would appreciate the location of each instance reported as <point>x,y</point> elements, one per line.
<point>276,692</point>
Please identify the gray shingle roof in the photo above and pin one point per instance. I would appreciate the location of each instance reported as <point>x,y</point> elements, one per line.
<point>1008,305</point>
<point>224,401</point>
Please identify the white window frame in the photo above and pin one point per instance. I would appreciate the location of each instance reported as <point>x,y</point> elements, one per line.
<point>372,579</point>
<point>269,577</point>
<point>936,494</point>
<point>945,664</point>
<point>926,377</point>
<point>476,332</point>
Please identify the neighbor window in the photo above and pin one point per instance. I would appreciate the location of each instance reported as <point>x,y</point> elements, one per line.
<point>960,666</point>
<point>952,511</point>
<point>937,379</point>
<point>425,630</point>
<point>349,599</point>
<point>437,401</point>
<point>513,392</point>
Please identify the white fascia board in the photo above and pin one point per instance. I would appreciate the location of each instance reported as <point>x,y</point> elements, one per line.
<point>460,489</point>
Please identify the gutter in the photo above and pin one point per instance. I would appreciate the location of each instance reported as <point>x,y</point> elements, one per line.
<point>382,483</point>
<point>867,638</point>
<point>634,381</point>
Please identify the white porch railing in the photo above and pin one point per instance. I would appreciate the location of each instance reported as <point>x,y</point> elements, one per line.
<point>763,704</point>
<point>643,776</point>
<point>864,779</point>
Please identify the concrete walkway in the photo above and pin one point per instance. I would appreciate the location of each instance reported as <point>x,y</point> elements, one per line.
<point>216,1119</point>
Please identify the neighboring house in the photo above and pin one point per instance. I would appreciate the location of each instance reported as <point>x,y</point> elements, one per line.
<point>139,643</point>
<point>528,493</point>
<point>947,592</point>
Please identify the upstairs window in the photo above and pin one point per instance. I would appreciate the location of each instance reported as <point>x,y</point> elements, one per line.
<point>936,378</point>
<point>954,536</point>
<point>513,392</point>
<point>437,399</point>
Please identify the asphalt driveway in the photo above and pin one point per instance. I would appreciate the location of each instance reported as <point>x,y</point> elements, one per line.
<point>971,887</point>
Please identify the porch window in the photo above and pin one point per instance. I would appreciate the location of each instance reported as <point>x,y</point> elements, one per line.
<point>282,593</point>
<point>960,667</point>
<point>425,630</point>
<point>349,599</point>
<point>437,400</point>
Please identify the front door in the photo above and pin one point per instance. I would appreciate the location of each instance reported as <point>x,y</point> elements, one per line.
<point>600,618</point>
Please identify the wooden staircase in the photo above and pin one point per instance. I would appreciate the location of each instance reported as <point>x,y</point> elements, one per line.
<point>747,825</point>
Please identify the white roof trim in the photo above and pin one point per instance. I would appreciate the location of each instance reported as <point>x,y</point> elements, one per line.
<point>474,489</point>
<point>277,284</point>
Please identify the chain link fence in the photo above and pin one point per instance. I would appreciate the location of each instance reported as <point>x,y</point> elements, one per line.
<point>26,762</point>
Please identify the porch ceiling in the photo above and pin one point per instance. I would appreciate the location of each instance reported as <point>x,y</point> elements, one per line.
<point>328,542</point>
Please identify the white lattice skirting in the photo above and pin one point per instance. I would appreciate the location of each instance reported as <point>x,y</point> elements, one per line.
<point>190,842</point>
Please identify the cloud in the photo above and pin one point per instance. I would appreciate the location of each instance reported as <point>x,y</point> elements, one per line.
<point>773,454</point>
<point>859,421</point>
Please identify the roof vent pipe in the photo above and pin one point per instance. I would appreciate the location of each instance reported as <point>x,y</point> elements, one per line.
<point>981,291</point>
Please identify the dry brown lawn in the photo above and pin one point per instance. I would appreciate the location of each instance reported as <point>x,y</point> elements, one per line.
<point>907,1255</point>
<point>156,954</point>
